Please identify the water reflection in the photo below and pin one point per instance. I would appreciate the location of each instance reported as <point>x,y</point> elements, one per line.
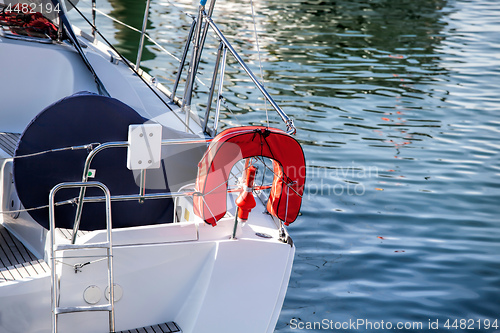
<point>381,51</point>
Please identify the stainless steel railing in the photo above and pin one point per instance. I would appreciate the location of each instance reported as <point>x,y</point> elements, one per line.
<point>108,245</point>
<point>287,120</point>
<point>197,36</point>
<point>199,39</point>
<point>141,196</point>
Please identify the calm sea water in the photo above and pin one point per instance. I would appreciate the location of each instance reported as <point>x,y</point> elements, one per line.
<point>397,105</point>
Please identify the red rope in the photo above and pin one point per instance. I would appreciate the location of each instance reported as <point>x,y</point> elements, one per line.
<point>27,24</point>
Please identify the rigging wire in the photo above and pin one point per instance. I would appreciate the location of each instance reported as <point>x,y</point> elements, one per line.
<point>181,9</point>
<point>224,102</point>
<point>88,147</point>
<point>175,57</point>
<point>60,203</point>
<point>151,39</point>
<point>282,178</point>
<point>233,176</point>
<point>139,31</point>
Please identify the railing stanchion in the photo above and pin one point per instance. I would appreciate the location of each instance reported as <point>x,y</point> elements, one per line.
<point>212,89</point>
<point>141,43</point>
<point>183,60</point>
<point>219,92</point>
<point>93,17</point>
<point>186,100</point>
<point>289,123</point>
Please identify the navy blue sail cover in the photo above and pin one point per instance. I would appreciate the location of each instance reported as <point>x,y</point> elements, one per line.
<point>78,120</point>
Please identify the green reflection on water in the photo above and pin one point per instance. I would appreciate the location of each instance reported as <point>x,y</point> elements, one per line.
<point>130,12</point>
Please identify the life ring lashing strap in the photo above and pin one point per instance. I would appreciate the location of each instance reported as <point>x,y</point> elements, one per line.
<point>234,144</point>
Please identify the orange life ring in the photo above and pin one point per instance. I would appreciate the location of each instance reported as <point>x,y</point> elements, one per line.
<point>234,144</point>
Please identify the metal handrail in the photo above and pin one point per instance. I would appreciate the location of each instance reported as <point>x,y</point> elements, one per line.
<point>219,91</point>
<point>183,60</point>
<point>199,35</point>
<point>287,120</point>
<point>141,196</point>
<point>143,32</point>
<point>131,197</point>
<point>212,88</point>
<point>108,245</point>
<point>186,100</point>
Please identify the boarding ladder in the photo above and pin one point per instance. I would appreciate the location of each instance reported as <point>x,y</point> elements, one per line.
<point>57,310</point>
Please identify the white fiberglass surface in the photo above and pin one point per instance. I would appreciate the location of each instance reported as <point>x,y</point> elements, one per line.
<point>36,75</point>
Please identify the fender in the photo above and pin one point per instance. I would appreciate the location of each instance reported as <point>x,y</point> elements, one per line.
<point>234,144</point>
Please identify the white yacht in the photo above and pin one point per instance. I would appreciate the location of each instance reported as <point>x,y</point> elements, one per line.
<point>121,210</point>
